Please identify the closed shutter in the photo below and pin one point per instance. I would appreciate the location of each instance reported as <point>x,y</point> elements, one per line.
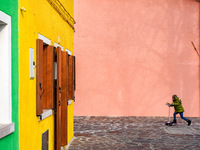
<point>74,75</point>
<point>70,81</point>
<point>49,103</point>
<point>45,77</point>
<point>39,77</point>
<point>58,100</point>
<point>71,77</point>
<point>64,99</point>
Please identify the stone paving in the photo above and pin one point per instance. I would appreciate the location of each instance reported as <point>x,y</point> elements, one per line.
<point>134,133</point>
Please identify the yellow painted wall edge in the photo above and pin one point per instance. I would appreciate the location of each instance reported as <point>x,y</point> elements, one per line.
<point>34,18</point>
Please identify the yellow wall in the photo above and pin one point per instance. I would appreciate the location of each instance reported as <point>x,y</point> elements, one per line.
<point>40,17</point>
<point>70,122</point>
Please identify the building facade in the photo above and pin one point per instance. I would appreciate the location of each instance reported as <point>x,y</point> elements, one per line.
<point>9,112</point>
<point>46,30</point>
<point>37,65</point>
<point>134,55</point>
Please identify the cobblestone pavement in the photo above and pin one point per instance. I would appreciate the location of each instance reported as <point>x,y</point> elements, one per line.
<point>134,133</point>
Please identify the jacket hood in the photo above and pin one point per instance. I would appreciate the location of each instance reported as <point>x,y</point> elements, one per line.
<point>175,98</point>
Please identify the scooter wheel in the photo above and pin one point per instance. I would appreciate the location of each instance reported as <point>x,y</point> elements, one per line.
<point>167,123</point>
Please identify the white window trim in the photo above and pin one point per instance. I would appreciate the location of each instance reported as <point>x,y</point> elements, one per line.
<point>58,45</point>
<point>6,129</point>
<point>69,52</point>
<point>5,101</point>
<point>69,102</point>
<point>46,113</point>
<point>44,39</point>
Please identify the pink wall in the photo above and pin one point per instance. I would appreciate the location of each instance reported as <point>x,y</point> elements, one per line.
<point>133,55</point>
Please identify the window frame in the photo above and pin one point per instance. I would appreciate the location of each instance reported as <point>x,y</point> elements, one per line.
<point>6,125</point>
<point>40,110</point>
<point>6,100</point>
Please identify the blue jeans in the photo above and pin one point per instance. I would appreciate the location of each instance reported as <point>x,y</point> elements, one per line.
<point>181,114</point>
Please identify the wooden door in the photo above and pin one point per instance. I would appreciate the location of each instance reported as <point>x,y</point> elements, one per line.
<point>58,102</point>
<point>64,98</point>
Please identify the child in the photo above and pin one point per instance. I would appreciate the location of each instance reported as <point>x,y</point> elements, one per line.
<point>178,109</point>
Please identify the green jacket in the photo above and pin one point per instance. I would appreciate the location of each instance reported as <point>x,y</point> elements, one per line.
<point>177,105</point>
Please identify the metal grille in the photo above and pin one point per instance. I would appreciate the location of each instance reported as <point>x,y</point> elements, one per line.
<point>45,140</point>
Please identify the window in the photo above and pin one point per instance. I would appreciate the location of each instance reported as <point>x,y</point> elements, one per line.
<point>5,67</point>
<point>44,77</point>
<point>5,76</point>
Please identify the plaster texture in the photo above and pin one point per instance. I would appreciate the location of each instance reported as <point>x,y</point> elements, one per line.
<point>132,56</point>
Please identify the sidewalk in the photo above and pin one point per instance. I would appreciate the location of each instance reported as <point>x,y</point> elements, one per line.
<point>134,133</point>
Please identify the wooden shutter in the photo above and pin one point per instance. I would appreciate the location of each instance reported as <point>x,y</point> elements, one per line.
<point>48,75</point>
<point>64,99</point>
<point>71,79</point>
<point>45,76</point>
<point>67,68</point>
<point>39,77</point>
<point>58,101</point>
<point>74,74</point>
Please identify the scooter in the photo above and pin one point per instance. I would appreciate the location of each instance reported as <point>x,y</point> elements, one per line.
<point>168,123</point>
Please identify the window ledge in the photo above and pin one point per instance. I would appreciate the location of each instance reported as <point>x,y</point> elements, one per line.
<point>6,129</point>
<point>46,113</point>
<point>69,102</point>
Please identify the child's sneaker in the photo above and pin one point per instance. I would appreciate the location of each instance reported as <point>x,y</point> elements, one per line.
<point>189,122</point>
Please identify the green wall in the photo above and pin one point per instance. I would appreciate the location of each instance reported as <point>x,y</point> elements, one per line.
<point>10,7</point>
